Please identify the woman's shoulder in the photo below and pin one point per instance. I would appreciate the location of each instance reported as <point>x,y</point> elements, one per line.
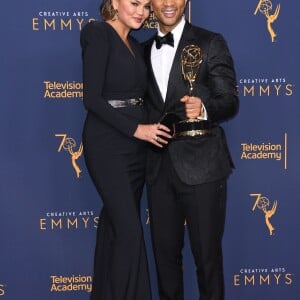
<point>94,29</point>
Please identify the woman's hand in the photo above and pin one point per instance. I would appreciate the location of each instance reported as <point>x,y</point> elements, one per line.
<point>156,134</point>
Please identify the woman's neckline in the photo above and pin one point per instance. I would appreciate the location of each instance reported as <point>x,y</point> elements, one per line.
<point>126,44</point>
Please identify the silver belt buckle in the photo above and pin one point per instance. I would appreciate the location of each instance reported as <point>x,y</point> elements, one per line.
<point>134,101</point>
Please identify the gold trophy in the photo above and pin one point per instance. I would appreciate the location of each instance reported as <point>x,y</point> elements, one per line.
<point>191,59</point>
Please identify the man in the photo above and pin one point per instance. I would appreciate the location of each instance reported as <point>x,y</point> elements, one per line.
<point>187,180</point>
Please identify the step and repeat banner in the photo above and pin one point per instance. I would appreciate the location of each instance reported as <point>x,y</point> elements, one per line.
<point>49,206</point>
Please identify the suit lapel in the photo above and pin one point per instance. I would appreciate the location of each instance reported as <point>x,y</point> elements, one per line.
<point>175,77</point>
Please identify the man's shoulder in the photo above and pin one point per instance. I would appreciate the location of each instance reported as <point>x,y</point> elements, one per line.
<point>203,37</point>
<point>201,31</point>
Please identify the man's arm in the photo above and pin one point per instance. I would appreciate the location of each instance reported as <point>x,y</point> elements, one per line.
<point>222,101</point>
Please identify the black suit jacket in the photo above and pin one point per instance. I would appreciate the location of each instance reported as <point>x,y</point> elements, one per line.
<point>199,159</point>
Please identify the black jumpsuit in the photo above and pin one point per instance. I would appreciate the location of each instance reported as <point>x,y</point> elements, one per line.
<point>115,161</point>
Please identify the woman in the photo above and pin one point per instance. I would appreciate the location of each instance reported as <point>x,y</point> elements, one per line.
<point>114,136</point>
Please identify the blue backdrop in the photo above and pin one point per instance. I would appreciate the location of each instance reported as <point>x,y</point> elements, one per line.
<point>49,207</point>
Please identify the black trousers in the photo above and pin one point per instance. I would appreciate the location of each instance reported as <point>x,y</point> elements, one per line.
<point>171,202</point>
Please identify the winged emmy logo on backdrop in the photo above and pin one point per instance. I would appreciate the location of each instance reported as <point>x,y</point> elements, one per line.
<point>69,144</point>
<point>265,7</point>
<point>263,203</point>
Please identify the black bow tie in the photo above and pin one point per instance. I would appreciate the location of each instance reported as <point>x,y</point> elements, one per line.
<point>167,39</point>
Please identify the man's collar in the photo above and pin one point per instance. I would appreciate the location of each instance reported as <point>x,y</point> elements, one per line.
<point>177,31</point>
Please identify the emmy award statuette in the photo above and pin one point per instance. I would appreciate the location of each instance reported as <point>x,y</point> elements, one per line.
<point>191,59</point>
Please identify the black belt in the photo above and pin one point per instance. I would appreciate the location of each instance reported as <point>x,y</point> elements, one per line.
<point>182,129</point>
<point>126,102</point>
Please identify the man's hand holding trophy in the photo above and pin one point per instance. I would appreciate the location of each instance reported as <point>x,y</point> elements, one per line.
<point>195,125</point>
